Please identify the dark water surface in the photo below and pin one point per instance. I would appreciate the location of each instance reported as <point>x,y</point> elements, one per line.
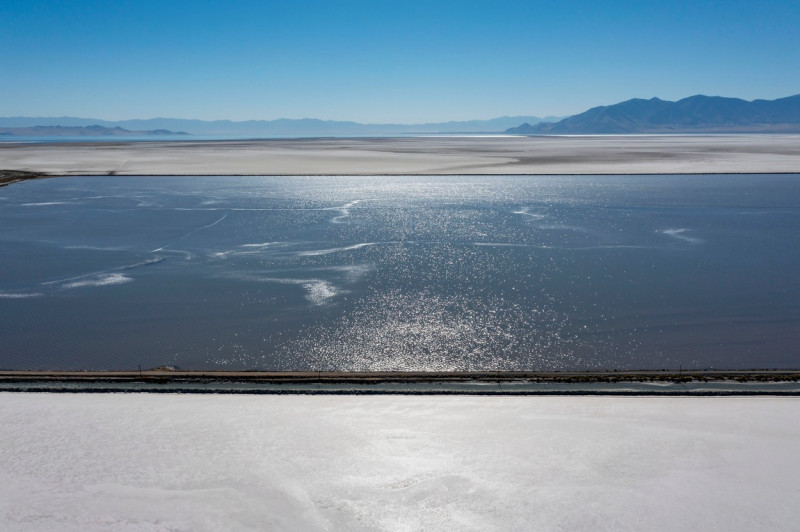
<point>401,273</point>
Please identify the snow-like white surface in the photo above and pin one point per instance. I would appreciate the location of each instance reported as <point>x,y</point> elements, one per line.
<point>601,154</point>
<point>169,462</point>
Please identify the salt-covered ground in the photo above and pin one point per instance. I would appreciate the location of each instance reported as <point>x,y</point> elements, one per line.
<point>603,154</point>
<point>186,462</point>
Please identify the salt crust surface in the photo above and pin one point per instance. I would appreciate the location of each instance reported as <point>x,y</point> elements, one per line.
<point>131,462</point>
<point>602,154</point>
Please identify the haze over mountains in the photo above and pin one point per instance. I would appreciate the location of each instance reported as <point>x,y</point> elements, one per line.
<point>696,114</point>
<point>284,127</point>
<point>80,131</point>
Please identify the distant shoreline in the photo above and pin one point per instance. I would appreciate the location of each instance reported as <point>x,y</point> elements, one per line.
<point>491,155</point>
<point>9,177</point>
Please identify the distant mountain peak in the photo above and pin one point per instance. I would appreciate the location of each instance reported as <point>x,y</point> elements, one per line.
<point>695,114</point>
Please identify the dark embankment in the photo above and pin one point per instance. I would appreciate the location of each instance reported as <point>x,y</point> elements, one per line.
<point>375,377</point>
<point>167,380</point>
<point>8,177</point>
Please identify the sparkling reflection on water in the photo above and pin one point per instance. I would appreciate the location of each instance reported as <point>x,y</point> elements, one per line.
<point>401,273</point>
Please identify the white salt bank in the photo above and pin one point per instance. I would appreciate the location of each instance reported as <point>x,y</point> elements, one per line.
<point>141,462</point>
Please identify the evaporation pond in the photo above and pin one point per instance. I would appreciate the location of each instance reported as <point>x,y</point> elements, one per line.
<point>401,273</point>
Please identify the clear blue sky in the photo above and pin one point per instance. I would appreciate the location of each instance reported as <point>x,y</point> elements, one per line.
<point>385,61</point>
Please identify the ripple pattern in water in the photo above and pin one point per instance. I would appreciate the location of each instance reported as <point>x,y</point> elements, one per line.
<point>401,273</point>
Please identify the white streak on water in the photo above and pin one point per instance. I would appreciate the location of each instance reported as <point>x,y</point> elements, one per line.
<point>679,234</point>
<point>607,246</point>
<point>524,212</point>
<point>554,227</point>
<point>252,249</point>
<point>345,210</point>
<point>260,209</point>
<point>262,245</point>
<point>226,254</point>
<point>188,254</point>
<point>97,248</point>
<point>147,262</point>
<point>502,245</point>
<point>19,295</point>
<point>316,252</point>
<point>78,198</point>
<point>103,279</point>
<point>573,248</point>
<point>44,203</point>
<point>215,223</point>
<point>318,291</point>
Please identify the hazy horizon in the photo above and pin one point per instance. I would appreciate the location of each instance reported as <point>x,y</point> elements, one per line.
<point>534,118</point>
<point>402,63</point>
<point>298,118</point>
